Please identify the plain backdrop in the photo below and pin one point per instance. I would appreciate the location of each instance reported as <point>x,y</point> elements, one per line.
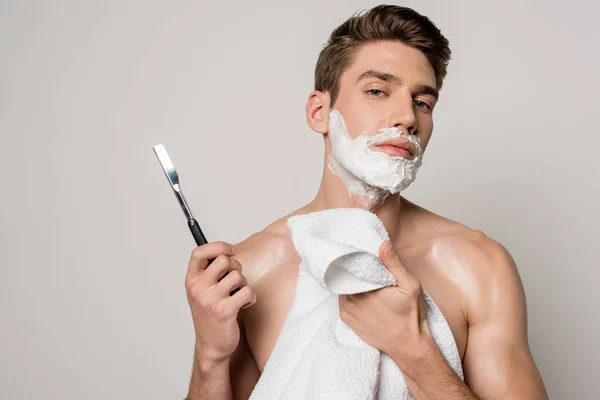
<point>93,245</point>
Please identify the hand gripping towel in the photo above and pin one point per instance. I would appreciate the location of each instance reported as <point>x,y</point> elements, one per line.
<point>317,356</point>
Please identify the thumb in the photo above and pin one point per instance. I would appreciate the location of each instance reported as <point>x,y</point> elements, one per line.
<point>391,259</point>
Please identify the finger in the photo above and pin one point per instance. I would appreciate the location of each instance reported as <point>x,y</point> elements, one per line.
<point>391,260</point>
<point>244,298</point>
<point>345,306</point>
<point>423,309</point>
<point>233,280</point>
<point>348,300</point>
<point>342,299</point>
<point>201,255</point>
<point>220,267</point>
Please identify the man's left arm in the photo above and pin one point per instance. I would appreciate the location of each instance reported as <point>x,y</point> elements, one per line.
<point>498,363</point>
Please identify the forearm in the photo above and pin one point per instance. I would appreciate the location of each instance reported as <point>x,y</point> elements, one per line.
<point>210,380</point>
<point>428,375</point>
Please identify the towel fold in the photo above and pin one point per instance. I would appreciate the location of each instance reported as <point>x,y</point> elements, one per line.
<point>317,356</point>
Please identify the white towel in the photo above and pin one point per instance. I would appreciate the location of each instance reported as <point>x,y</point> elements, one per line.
<point>317,356</point>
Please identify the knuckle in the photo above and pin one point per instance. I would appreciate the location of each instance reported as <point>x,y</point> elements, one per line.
<point>200,252</point>
<point>188,283</point>
<point>195,294</point>
<point>197,254</point>
<point>235,264</point>
<point>192,278</point>
<point>236,275</point>
<point>415,289</point>
<point>224,247</point>
<point>222,260</point>
<point>216,309</point>
<point>246,292</point>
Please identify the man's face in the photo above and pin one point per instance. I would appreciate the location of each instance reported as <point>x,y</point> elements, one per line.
<point>389,84</point>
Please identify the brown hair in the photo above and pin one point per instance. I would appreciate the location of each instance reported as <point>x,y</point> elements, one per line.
<point>383,22</point>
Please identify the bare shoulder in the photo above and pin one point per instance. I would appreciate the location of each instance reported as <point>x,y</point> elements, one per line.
<point>270,265</point>
<point>477,250</point>
<point>454,238</point>
<point>480,267</point>
<point>265,251</point>
<point>497,361</point>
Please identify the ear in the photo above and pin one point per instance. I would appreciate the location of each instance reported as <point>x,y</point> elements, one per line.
<point>317,111</point>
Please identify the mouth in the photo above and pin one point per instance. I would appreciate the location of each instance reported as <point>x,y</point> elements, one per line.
<point>397,148</point>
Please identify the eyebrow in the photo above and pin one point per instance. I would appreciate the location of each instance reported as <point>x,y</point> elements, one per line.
<point>386,77</point>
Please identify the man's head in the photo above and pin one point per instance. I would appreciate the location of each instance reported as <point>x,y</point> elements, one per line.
<point>382,68</point>
<point>358,65</point>
<point>381,23</point>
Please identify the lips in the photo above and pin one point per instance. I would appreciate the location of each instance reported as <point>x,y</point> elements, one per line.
<point>398,147</point>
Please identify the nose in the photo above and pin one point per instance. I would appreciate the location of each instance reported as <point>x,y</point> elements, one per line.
<point>403,117</point>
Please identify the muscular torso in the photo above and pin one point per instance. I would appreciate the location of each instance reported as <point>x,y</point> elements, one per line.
<point>439,252</point>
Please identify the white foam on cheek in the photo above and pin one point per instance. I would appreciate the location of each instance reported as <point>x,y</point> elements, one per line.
<point>369,175</point>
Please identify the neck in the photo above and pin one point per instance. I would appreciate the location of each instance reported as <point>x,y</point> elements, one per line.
<point>333,193</point>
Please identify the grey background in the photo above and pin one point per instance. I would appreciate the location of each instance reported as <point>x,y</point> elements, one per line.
<point>94,247</point>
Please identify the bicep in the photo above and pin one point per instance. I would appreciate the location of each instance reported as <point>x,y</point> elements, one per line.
<point>243,371</point>
<point>498,363</point>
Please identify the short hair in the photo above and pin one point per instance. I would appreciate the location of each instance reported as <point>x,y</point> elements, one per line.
<point>380,23</point>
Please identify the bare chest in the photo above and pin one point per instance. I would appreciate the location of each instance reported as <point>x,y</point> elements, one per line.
<point>275,291</point>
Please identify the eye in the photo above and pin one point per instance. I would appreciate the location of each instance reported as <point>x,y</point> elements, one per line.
<point>422,105</point>
<point>375,92</point>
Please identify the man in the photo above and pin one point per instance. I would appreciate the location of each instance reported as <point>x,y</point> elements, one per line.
<point>380,70</point>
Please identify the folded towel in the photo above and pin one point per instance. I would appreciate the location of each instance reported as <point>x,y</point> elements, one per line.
<point>317,356</point>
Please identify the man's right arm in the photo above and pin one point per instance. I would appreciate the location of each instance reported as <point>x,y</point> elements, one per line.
<point>228,380</point>
<point>224,368</point>
<point>210,381</point>
<point>233,380</point>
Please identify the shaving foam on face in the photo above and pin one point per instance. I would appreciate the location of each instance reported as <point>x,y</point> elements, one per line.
<point>370,176</point>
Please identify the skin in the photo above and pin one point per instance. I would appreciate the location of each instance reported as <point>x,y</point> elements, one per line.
<point>472,278</point>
